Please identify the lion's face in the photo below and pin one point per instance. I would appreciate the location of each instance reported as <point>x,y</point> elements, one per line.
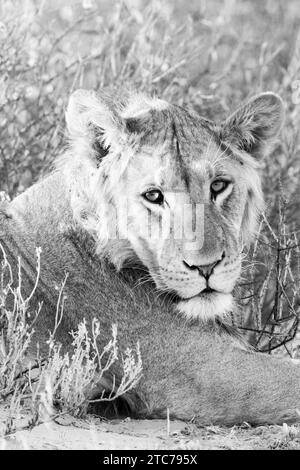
<point>187,195</point>
<point>185,202</point>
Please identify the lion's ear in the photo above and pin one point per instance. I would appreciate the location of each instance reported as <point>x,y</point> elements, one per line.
<point>93,116</point>
<point>255,125</point>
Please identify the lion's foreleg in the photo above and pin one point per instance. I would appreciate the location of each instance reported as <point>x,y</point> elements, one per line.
<point>210,378</point>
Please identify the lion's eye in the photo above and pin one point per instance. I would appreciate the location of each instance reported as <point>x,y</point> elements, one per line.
<point>155,196</point>
<point>218,186</point>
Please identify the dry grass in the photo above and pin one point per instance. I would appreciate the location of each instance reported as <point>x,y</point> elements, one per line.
<point>59,382</point>
<point>270,294</point>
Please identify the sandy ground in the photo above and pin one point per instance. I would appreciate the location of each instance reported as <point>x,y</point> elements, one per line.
<point>67,433</point>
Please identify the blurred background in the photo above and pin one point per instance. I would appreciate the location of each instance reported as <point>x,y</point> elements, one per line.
<point>208,55</point>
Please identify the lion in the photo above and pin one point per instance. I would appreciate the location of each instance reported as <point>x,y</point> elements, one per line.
<point>148,212</point>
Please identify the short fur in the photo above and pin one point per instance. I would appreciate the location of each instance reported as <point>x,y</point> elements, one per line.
<point>194,368</point>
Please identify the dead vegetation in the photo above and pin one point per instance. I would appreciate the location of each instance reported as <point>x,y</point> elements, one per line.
<point>58,383</point>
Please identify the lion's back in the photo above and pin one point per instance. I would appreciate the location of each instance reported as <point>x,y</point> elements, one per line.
<point>41,217</point>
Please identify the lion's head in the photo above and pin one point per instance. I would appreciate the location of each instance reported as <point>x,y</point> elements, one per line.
<point>152,180</point>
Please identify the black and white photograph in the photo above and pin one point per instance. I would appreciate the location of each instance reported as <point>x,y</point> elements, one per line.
<point>149,227</point>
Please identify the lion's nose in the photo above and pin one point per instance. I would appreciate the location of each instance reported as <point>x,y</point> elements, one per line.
<point>206,269</point>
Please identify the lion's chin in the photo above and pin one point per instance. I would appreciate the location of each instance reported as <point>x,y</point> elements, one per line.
<point>206,307</point>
